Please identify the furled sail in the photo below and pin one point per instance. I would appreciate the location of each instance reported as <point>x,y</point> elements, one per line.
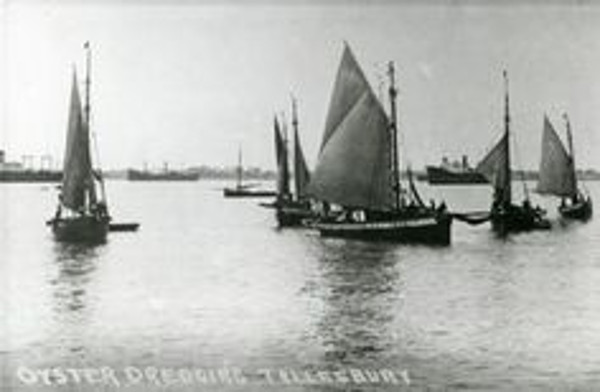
<point>353,168</point>
<point>283,173</point>
<point>557,174</point>
<point>301,173</point>
<point>78,181</point>
<point>495,169</point>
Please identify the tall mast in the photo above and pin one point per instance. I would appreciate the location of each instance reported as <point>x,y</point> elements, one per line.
<point>88,82</point>
<point>285,156</point>
<point>394,135</point>
<point>295,128</point>
<point>294,114</point>
<point>507,192</point>
<point>571,150</point>
<point>239,167</point>
<point>87,109</point>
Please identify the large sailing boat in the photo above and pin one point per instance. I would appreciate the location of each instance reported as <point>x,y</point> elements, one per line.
<point>82,213</point>
<point>357,169</point>
<point>558,176</point>
<point>291,208</point>
<point>495,166</point>
<point>241,189</point>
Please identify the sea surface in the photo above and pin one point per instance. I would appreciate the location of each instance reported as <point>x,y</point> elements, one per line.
<point>210,295</point>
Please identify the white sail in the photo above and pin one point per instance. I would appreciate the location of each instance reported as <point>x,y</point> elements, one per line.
<point>78,181</point>
<point>353,168</point>
<point>557,174</point>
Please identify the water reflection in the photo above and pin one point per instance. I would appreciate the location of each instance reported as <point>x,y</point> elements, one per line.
<point>358,286</point>
<point>72,302</point>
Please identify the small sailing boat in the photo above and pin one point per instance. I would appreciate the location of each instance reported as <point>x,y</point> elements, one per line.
<point>244,190</point>
<point>82,213</point>
<point>495,166</point>
<point>558,176</point>
<point>291,209</point>
<point>356,178</point>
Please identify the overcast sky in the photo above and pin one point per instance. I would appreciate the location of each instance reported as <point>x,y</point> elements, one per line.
<point>187,83</point>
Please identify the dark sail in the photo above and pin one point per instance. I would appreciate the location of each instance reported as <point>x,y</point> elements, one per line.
<point>496,164</point>
<point>301,173</point>
<point>493,168</point>
<point>281,153</point>
<point>78,181</point>
<point>353,168</point>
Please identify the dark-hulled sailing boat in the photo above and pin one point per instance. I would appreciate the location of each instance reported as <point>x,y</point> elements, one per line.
<point>558,176</point>
<point>82,213</point>
<point>244,190</point>
<point>504,214</point>
<point>291,209</point>
<point>357,169</point>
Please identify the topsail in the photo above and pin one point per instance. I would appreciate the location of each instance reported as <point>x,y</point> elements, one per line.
<point>353,168</point>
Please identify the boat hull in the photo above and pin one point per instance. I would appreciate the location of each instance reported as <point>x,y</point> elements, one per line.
<point>518,219</point>
<point>234,192</point>
<point>30,176</point>
<point>136,175</point>
<point>293,215</point>
<point>438,175</point>
<point>83,229</point>
<point>582,210</point>
<point>424,230</point>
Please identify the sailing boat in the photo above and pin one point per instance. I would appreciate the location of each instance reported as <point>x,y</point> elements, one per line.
<point>557,174</point>
<point>82,213</point>
<point>495,166</point>
<point>291,209</point>
<point>241,189</point>
<point>356,178</point>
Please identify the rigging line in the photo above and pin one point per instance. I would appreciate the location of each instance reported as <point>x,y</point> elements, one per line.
<point>89,121</point>
<point>400,158</point>
<point>518,164</point>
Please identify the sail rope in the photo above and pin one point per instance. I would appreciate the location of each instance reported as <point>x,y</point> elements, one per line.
<point>519,166</point>
<point>98,164</point>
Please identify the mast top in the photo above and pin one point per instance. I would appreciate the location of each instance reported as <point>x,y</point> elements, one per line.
<point>294,110</point>
<point>392,75</point>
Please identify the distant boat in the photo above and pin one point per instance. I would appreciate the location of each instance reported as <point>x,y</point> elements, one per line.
<point>166,175</point>
<point>558,176</point>
<point>82,213</point>
<point>245,190</point>
<point>291,208</point>
<point>27,175</point>
<point>454,173</point>
<point>356,178</point>
<point>17,172</point>
<point>504,214</point>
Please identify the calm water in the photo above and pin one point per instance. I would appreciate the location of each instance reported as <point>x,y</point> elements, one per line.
<point>209,283</point>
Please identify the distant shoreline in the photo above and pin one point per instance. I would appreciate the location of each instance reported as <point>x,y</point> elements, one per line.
<point>252,173</point>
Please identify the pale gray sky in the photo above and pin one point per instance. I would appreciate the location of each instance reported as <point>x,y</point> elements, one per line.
<point>187,83</point>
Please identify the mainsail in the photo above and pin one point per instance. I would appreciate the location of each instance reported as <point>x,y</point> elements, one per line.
<point>557,174</point>
<point>301,173</point>
<point>495,169</point>
<point>78,178</point>
<point>495,166</point>
<point>353,168</point>
<point>281,153</point>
